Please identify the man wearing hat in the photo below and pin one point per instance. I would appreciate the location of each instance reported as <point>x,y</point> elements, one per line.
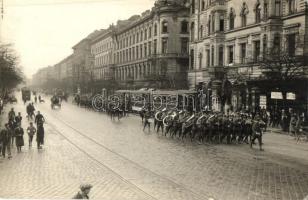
<point>256,132</point>
<point>84,192</point>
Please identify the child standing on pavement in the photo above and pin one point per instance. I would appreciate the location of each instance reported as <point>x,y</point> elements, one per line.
<point>31,130</point>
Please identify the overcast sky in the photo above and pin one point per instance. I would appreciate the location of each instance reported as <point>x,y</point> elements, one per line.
<point>43,31</point>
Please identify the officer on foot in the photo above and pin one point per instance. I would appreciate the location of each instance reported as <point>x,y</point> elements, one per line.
<point>256,132</point>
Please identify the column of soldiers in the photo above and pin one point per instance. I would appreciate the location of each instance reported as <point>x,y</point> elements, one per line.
<point>207,127</point>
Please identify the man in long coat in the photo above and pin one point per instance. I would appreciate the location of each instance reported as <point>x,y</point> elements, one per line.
<point>40,136</point>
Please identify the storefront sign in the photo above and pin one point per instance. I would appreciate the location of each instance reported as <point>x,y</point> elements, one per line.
<point>276,95</point>
<point>263,101</point>
<point>291,96</point>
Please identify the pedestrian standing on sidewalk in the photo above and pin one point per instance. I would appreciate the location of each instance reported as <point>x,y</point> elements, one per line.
<point>18,119</point>
<point>40,136</point>
<point>5,136</point>
<point>11,115</point>
<point>19,137</point>
<point>84,192</point>
<point>31,130</point>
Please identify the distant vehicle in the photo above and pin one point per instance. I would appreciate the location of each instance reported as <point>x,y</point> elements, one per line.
<point>26,94</point>
<point>12,99</point>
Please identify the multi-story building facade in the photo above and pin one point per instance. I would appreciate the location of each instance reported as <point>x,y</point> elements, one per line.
<point>151,50</point>
<point>229,42</point>
<point>102,49</point>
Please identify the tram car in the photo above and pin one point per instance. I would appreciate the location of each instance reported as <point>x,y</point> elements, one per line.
<point>136,100</point>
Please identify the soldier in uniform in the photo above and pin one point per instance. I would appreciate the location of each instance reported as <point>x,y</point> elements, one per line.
<point>147,117</point>
<point>256,132</point>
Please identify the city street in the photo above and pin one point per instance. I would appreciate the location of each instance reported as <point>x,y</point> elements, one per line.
<point>123,162</point>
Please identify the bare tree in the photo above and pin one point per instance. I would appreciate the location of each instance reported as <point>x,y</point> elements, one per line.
<point>10,73</point>
<point>281,66</point>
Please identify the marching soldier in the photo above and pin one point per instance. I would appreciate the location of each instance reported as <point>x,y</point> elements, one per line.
<point>256,132</point>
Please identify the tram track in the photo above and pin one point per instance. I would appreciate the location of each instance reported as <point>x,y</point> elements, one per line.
<point>125,180</point>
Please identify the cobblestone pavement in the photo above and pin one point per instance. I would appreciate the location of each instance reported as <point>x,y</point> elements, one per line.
<point>123,162</point>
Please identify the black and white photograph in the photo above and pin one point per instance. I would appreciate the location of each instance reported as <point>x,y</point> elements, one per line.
<point>154,99</point>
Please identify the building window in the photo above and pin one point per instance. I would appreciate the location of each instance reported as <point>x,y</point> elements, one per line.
<point>212,56</point>
<point>231,54</point>
<point>264,45</point>
<point>155,47</point>
<point>141,36</point>
<point>141,52</point>
<point>203,5</point>
<point>155,30</point>
<point>291,6</point>
<point>291,44</point>
<point>244,13</point>
<point>145,34</point>
<point>192,31</point>
<point>277,7</point>
<point>258,13</point>
<point>184,27</point>
<point>276,45</point>
<point>164,27</point>
<point>207,57</point>
<point>184,45</point>
<point>209,26</point>
<point>231,19</point>
<point>201,32</point>
<point>221,56</point>
<point>243,53</point>
<point>193,7</point>
<point>145,50</point>
<point>265,10</point>
<point>192,58</point>
<point>213,23</point>
<point>200,60</point>
<point>133,53</point>
<point>150,32</point>
<point>137,37</point>
<point>257,50</point>
<point>164,45</point>
<point>137,52</point>
<point>150,48</point>
<point>221,23</point>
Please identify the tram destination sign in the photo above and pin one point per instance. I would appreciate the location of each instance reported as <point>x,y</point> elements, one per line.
<point>276,95</point>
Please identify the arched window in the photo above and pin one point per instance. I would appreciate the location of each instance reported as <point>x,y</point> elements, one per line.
<point>231,19</point>
<point>192,31</point>
<point>184,27</point>
<point>244,13</point>
<point>164,27</point>
<point>291,6</point>
<point>258,13</point>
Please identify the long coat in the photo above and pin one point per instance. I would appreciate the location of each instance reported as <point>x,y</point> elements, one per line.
<point>40,134</point>
<point>19,135</point>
